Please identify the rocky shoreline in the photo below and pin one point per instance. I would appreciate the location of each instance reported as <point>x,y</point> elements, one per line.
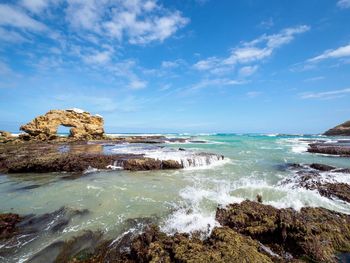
<point>249,232</point>
<point>79,157</point>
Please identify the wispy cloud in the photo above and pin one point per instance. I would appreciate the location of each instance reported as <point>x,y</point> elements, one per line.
<point>139,22</point>
<point>14,17</point>
<point>251,52</point>
<point>253,94</point>
<point>325,95</point>
<point>218,82</point>
<point>313,79</point>
<point>343,4</point>
<point>248,70</point>
<point>137,84</point>
<point>340,52</point>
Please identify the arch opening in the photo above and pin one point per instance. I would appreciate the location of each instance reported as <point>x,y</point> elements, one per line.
<point>63,131</point>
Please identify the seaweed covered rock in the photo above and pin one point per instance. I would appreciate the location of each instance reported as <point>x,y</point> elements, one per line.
<point>315,234</point>
<point>224,245</point>
<point>84,125</point>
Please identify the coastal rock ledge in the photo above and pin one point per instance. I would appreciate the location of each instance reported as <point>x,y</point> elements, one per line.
<point>83,125</point>
<point>340,130</point>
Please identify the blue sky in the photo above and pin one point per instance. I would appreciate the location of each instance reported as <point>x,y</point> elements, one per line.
<point>179,65</point>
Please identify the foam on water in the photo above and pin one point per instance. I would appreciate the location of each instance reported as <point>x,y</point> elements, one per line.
<point>187,158</point>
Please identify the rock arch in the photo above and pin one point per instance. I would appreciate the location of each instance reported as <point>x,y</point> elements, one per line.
<point>83,124</point>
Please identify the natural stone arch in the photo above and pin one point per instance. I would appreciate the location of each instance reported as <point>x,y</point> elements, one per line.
<point>83,124</point>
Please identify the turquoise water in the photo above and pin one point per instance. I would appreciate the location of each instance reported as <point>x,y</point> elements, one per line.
<point>178,200</point>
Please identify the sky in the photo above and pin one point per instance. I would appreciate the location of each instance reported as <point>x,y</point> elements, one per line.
<point>243,66</point>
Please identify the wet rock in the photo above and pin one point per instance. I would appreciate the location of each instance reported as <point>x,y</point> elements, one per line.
<point>81,247</point>
<point>224,245</point>
<point>321,178</point>
<point>322,167</point>
<point>29,228</point>
<point>143,164</point>
<point>339,190</point>
<point>75,163</point>
<point>340,130</point>
<point>331,149</point>
<point>314,234</point>
<point>84,125</point>
<point>8,225</point>
<point>171,164</point>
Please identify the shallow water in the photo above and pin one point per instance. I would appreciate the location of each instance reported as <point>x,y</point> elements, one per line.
<point>178,200</point>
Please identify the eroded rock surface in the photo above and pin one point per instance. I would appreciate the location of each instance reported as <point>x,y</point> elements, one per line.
<point>340,130</point>
<point>339,148</point>
<point>84,125</point>
<point>313,234</point>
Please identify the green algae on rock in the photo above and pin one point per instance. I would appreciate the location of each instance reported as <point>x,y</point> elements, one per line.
<point>313,233</point>
<point>223,245</point>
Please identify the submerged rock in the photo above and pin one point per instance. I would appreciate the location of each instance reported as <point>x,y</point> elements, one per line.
<point>322,167</point>
<point>84,125</point>
<point>26,229</point>
<point>8,225</point>
<point>81,247</point>
<point>340,130</point>
<point>313,234</point>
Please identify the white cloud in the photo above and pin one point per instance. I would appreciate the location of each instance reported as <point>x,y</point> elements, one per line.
<point>13,17</point>
<point>248,70</point>
<point>268,23</point>
<point>35,6</point>
<point>138,21</point>
<point>340,52</point>
<point>218,82</point>
<point>5,69</point>
<point>325,95</point>
<point>253,51</point>
<point>314,79</point>
<point>343,4</point>
<point>253,94</point>
<point>172,64</point>
<point>102,57</point>
<point>11,36</point>
<point>137,84</point>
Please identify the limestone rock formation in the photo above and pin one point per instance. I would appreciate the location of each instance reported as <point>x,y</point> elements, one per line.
<point>5,136</point>
<point>340,130</point>
<point>84,125</point>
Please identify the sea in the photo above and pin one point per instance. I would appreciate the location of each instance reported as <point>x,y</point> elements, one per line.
<point>176,200</point>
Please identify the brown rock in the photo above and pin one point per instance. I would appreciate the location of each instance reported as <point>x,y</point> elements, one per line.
<point>224,245</point>
<point>142,164</point>
<point>8,224</point>
<point>313,233</point>
<point>84,125</point>
<point>340,130</point>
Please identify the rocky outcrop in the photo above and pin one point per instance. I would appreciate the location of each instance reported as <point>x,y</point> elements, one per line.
<point>314,234</point>
<point>250,232</point>
<point>84,125</point>
<point>77,158</point>
<point>223,245</point>
<point>320,177</point>
<point>6,136</point>
<point>340,130</point>
<point>340,148</point>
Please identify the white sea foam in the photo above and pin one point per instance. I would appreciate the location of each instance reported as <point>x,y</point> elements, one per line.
<point>187,158</point>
